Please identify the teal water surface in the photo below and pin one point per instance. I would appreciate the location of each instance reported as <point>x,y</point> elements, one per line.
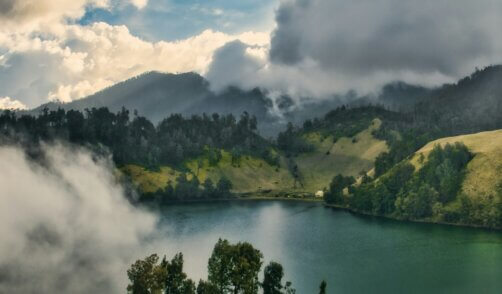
<point>354,254</point>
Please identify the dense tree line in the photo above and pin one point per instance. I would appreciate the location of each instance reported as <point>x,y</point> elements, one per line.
<point>136,139</point>
<point>189,188</point>
<point>338,123</point>
<point>232,269</point>
<point>407,193</point>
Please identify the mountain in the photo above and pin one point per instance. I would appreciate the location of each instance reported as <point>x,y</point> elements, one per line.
<point>156,95</point>
<point>470,105</point>
<point>473,104</point>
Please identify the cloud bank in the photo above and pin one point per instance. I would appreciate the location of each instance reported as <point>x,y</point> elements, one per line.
<point>318,47</point>
<point>9,103</point>
<point>66,226</point>
<point>45,55</point>
<point>363,44</point>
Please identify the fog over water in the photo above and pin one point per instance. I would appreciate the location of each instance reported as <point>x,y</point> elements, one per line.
<point>66,226</point>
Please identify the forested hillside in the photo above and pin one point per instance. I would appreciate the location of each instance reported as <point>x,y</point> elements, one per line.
<point>362,157</point>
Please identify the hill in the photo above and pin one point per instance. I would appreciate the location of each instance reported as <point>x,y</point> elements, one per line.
<point>483,173</point>
<point>253,175</point>
<point>157,95</point>
<point>249,174</point>
<point>348,156</point>
<point>453,180</point>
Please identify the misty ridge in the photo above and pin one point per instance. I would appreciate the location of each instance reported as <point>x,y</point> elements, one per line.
<point>66,224</point>
<point>472,100</point>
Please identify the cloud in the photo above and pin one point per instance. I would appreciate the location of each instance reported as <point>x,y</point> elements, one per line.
<point>58,234</point>
<point>29,15</point>
<point>388,37</point>
<point>8,103</point>
<point>321,47</point>
<point>139,3</point>
<point>80,60</point>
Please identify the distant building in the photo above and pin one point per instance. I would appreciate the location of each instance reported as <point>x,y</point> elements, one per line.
<point>319,194</point>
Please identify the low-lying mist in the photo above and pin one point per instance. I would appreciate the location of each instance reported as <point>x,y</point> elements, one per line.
<point>65,225</point>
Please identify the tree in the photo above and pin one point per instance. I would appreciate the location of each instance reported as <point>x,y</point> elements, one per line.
<point>246,265</point>
<point>144,276</point>
<point>272,278</point>
<point>220,267</point>
<point>176,280</point>
<point>336,187</point>
<point>205,287</point>
<point>322,287</point>
<point>234,268</point>
<point>208,186</point>
<point>223,187</point>
<point>288,288</point>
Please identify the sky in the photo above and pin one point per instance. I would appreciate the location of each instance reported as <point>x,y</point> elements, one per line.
<point>65,50</point>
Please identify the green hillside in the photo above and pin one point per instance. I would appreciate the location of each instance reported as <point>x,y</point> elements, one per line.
<point>251,174</point>
<point>248,174</point>
<point>483,173</point>
<point>348,156</point>
<point>453,180</point>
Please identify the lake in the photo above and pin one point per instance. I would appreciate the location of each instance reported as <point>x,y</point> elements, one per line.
<point>354,254</point>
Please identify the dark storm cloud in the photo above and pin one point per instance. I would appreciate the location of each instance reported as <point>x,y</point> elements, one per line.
<point>365,36</point>
<point>325,47</point>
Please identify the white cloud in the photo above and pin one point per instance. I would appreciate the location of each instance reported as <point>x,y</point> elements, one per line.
<point>59,236</point>
<point>8,103</point>
<point>75,60</point>
<point>139,3</point>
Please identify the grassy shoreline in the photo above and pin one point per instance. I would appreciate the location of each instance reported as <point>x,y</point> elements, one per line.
<point>431,222</point>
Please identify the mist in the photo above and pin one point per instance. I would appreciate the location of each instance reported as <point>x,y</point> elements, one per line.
<point>65,225</point>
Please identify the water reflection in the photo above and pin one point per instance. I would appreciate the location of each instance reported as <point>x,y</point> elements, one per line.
<point>354,254</point>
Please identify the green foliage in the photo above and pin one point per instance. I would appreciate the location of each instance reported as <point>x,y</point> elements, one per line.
<point>322,287</point>
<point>335,193</point>
<point>137,140</point>
<point>145,276</point>
<point>272,280</point>
<point>234,268</point>
<point>205,287</point>
<point>404,193</point>
<point>341,122</point>
<point>149,277</point>
<point>290,142</point>
<point>190,189</point>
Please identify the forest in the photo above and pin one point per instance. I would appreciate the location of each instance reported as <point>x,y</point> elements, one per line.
<point>232,269</point>
<point>136,140</point>
<point>432,192</point>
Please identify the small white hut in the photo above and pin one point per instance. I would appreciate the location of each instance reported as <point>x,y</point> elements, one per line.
<point>319,194</point>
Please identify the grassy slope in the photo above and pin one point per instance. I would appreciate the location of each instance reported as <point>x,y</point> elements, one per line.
<point>250,175</point>
<point>484,171</point>
<point>345,157</point>
<point>150,181</point>
<point>254,174</point>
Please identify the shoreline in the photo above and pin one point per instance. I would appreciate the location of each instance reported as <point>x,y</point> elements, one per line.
<point>326,205</point>
<point>350,210</point>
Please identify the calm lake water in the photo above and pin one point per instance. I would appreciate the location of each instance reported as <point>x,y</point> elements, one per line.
<point>354,254</point>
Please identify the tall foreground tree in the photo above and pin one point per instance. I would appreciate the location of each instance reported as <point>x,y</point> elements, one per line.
<point>322,287</point>
<point>149,277</point>
<point>272,278</point>
<point>234,268</point>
